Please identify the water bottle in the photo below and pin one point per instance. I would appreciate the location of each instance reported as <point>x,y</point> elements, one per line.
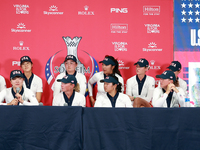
<point>65,104</point>
<point>187,100</point>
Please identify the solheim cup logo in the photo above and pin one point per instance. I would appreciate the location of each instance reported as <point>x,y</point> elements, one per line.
<point>72,46</point>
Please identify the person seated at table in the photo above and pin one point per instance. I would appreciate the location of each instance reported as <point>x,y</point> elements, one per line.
<point>69,95</point>
<point>175,66</point>
<point>113,96</point>
<point>169,94</point>
<point>70,66</point>
<point>2,83</point>
<point>109,66</point>
<point>17,94</point>
<point>31,81</point>
<point>140,87</point>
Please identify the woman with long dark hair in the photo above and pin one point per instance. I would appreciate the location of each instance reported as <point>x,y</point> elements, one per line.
<point>109,66</point>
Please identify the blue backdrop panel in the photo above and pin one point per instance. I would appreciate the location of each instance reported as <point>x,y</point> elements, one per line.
<point>186,25</point>
<point>141,129</point>
<point>40,128</point>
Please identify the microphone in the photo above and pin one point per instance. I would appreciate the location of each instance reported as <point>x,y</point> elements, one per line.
<point>65,104</point>
<point>17,90</point>
<point>40,104</point>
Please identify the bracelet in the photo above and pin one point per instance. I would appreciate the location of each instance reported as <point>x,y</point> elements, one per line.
<point>133,98</point>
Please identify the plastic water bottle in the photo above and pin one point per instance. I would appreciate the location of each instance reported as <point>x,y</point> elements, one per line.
<point>65,104</point>
<point>187,100</point>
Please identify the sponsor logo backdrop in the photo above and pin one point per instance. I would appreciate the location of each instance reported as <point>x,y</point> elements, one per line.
<point>125,29</point>
<point>187,42</point>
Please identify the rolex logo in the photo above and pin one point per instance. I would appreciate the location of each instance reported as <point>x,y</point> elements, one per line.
<point>152,62</point>
<point>21,46</point>
<point>86,7</point>
<point>86,12</point>
<point>21,43</point>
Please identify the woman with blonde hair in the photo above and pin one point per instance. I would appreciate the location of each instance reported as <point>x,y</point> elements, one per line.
<point>69,95</point>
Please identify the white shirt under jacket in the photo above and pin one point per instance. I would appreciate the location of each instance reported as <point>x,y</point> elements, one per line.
<point>100,86</point>
<point>147,89</point>
<point>28,97</point>
<point>159,98</point>
<point>81,80</point>
<point>79,100</point>
<point>2,83</point>
<point>36,84</point>
<point>122,101</point>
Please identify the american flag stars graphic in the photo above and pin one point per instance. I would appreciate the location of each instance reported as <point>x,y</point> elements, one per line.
<point>48,71</point>
<point>190,11</point>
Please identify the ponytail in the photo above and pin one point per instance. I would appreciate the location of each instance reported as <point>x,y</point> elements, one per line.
<point>176,83</point>
<point>119,85</point>
<point>116,68</point>
<point>77,88</point>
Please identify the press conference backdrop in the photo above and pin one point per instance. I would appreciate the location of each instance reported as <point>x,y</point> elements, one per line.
<point>187,42</point>
<point>48,30</point>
